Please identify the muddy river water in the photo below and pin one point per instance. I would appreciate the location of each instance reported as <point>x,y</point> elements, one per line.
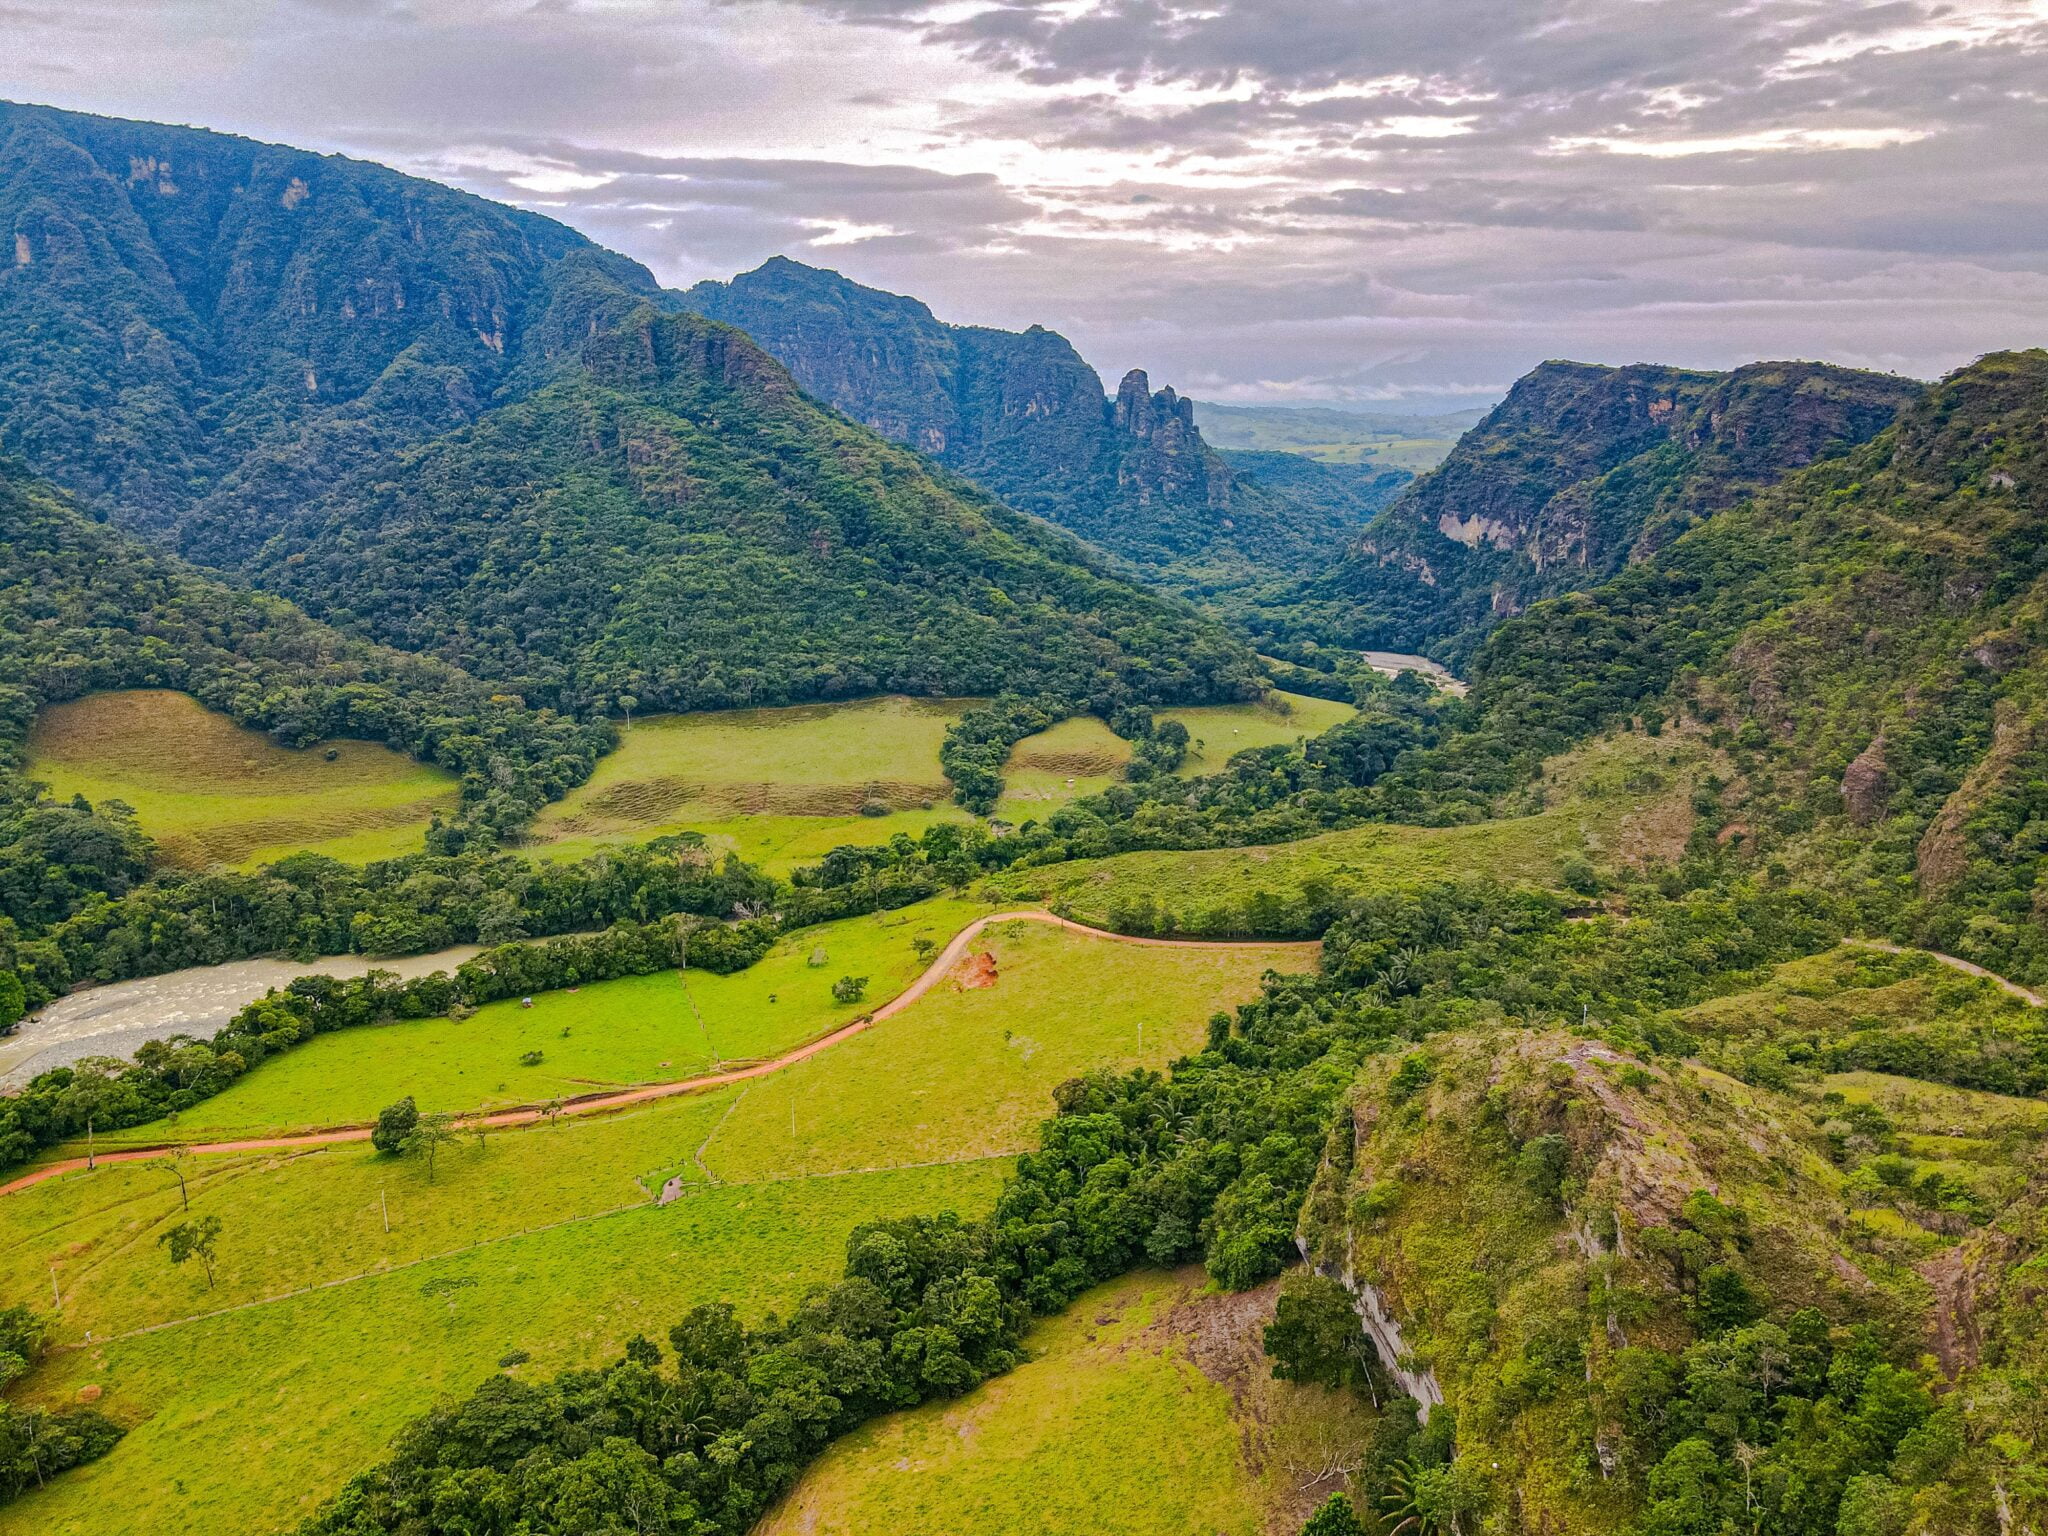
<point>113,1020</point>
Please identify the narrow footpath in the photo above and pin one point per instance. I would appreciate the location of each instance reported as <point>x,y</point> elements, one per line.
<point>598,1103</point>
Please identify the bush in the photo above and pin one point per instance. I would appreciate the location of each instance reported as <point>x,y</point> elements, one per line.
<point>395,1122</point>
<point>849,989</point>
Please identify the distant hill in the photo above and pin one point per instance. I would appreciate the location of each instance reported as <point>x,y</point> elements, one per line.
<point>1579,471</point>
<point>1334,435</point>
<point>1023,415</point>
<point>466,430</point>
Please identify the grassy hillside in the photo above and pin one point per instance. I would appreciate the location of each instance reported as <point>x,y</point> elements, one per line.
<point>209,791</point>
<point>1144,1410</point>
<point>940,1084</point>
<point>1620,801</point>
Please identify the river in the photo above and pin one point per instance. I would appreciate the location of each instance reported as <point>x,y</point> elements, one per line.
<point>114,1019</point>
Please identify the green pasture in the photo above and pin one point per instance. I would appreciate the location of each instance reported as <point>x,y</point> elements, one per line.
<point>1279,719</point>
<point>611,1034</point>
<point>779,786</point>
<point>1619,800</point>
<point>1061,1004</point>
<point>244,1421</point>
<point>214,792</point>
<point>354,1289</point>
<point>1144,1410</point>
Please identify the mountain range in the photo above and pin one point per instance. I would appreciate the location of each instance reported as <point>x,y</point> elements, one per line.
<point>1022,414</point>
<point>465,430</point>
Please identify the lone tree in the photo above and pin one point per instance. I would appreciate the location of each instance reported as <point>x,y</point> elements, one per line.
<point>394,1123</point>
<point>173,1162</point>
<point>430,1133</point>
<point>193,1240</point>
<point>97,1094</point>
<point>849,989</point>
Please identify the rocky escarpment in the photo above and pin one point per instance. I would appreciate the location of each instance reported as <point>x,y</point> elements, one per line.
<point>1023,414</point>
<point>1579,472</point>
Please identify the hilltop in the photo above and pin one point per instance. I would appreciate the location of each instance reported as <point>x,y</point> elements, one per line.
<point>1022,414</point>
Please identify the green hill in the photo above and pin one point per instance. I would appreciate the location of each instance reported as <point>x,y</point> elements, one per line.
<point>1867,641</point>
<point>465,430</point>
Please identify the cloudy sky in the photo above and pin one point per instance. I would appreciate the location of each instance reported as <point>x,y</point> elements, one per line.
<point>1376,201</point>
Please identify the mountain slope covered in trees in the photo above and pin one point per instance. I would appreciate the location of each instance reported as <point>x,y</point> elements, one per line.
<point>1022,414</point>
<point>1868,637</point>
<point>1580,470</point>
<point>463,429</point>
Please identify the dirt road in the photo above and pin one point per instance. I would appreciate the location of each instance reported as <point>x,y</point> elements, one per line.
<point>598,1103</point>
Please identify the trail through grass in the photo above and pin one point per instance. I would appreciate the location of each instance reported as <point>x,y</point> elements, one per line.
<point>1620,800</point>
<point>638,1029</point>
<point>214,792</point>
<point>542,1239</point>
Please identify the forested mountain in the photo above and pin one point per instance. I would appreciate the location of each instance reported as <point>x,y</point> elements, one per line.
<point>1022,414</point>
<point>1580,470</point>
<point>1870,636</point>
<point>467,430</point>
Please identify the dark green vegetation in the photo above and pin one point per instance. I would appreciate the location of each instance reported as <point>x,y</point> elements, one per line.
<point>1580,470</point>
<point>468,432</point>
<point>1024,416</point>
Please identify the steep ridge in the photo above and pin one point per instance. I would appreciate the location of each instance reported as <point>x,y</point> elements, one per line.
<point>1867,640</point>
<point>1579,471</point>
<point>671,519</point>
<point>1023,414</point>
<point>459,428</point>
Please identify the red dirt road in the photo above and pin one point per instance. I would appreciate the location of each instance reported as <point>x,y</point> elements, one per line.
<point>597,1103</point>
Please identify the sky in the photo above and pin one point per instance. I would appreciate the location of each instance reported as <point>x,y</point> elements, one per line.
<point>1386,203</point>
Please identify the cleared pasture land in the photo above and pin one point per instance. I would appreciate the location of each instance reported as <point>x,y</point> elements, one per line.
<point>780,786</point>
<point>544,1239</point>
<point>1279,719</point>
<point>1622,799</point>
<point>214,792</point>
<point>610,1034</point>
<point>1143,1384</point>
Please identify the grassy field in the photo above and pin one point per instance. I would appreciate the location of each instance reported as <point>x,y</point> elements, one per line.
<point>1060,1004</point>
<point>1279,719</point>
<point>1623,798</point>
<point>1146,1410</point>
<point>780,786</point>
<point>1082,756</point>
<point>1073,759</point>
<point>639,1029</point>
<point>543,1239</point>
<point>214,792</point>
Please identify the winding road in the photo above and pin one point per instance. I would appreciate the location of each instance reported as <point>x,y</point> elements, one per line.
<point>597,1103</point>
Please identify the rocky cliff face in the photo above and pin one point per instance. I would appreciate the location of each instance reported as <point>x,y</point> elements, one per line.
<point>1581,470</point>
<point>1022,414</point>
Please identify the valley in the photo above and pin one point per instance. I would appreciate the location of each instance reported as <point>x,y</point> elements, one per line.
<point>742,911</point>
